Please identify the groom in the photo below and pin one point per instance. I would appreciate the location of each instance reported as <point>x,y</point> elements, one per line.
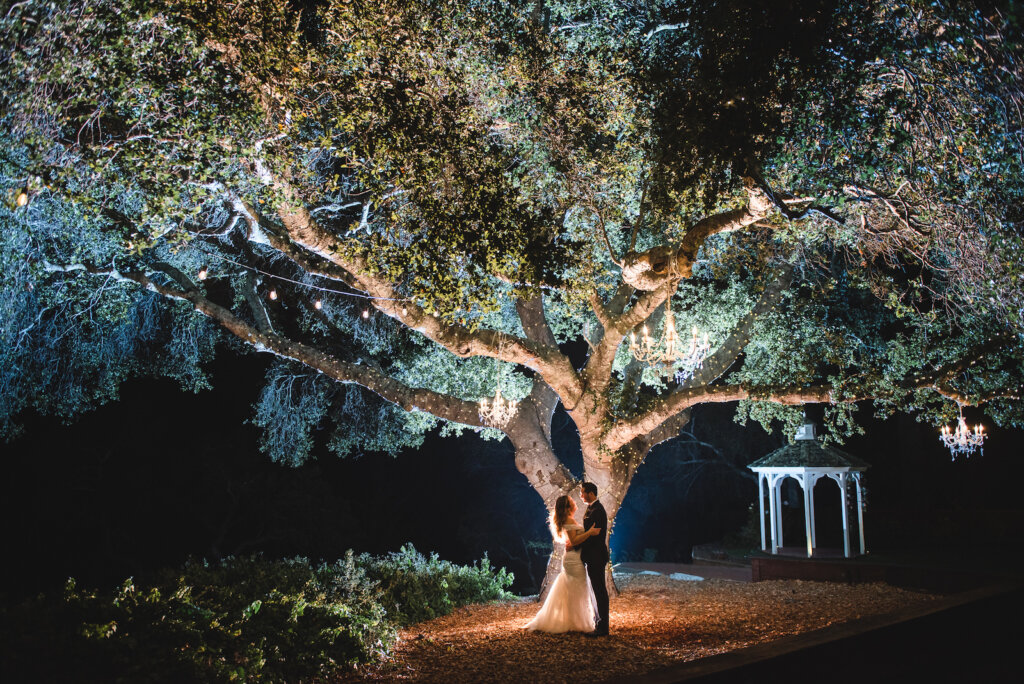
<point>594,553</point>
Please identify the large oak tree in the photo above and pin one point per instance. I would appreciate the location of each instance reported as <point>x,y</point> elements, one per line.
<point>408,203</point>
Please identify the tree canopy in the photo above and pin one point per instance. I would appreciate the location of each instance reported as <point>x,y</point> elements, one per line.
<point>408,203</point>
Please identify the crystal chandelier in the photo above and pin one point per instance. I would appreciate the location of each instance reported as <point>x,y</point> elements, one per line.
<point>963,442</point>
<point>668,351</point>
<point>500,410</point>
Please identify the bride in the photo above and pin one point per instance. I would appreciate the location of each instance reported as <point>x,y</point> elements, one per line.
<point>570,605</point>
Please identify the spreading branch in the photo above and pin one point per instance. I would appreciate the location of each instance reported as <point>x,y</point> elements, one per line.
<point>409,398</point>
<point>545,359</point>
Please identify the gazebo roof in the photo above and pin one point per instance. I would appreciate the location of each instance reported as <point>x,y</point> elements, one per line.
<point>808,452</point>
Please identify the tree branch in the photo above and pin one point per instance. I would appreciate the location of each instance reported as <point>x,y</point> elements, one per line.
<point>252,298</point>
<point>651,269</point>
<point>597,373</point>
<point>730,349</point>
<point>664,27</point>
<point>544,359</point>
<point>391,390</point>
<point>668,430</point>
<point>535,324</point>
<point>626,431</point>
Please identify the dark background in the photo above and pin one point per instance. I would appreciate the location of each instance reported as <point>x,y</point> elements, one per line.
<point>161,475</point>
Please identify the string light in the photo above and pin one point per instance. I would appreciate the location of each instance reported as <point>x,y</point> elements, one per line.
<point>318,304</point>
<point>300,283</point>
<point>273,294</point>
<point>366,313</point>
<point>203,272</point>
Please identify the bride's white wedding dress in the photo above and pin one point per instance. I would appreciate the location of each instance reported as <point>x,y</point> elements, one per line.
<point>570,605</point>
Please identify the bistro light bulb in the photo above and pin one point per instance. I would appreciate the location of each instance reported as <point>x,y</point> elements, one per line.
<point>203,272</point>
<point>366,313</point>
<point>318,304</point>
<point>273,294</point>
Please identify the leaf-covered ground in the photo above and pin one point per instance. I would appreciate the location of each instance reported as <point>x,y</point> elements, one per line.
<point>655,622</point>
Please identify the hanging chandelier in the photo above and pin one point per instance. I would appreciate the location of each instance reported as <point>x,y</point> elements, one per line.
<point>963,442</point>
<point>500,410</point>
<point>668,351</point>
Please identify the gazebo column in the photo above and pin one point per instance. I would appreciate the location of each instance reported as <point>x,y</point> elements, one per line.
<point>810,498</point>
<point>841,479</point>
<point>771,513</point>
<point>778,509</point>
<point>805,483</point>
<point>760,508</point>
<point>860,512</point>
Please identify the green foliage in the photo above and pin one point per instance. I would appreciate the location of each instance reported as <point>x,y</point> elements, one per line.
<point>475,152</point>
<point>416,587</point>
<point>244,619</point>
<point>241,620</point>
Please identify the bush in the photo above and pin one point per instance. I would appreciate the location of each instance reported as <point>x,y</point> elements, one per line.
<point>415,587</point>
<point>244,620</point>
<point>241,620</point>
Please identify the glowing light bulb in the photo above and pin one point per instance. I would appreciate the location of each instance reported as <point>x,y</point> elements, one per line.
<point>273,294</point>
<point>202,273</point>
<point>366,313</point>
<point>318,304</point>
<point>22,199</point>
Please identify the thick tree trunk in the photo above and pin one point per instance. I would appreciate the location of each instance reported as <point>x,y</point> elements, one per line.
<point>530,434</point>
<point>612,475</point>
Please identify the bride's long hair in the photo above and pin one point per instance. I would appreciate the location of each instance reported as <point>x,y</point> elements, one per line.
<point>560,517</point>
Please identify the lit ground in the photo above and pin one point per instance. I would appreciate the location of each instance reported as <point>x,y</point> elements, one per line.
<point>655,622</point>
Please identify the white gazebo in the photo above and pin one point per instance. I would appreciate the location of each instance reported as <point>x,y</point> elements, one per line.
<point>806,460</point>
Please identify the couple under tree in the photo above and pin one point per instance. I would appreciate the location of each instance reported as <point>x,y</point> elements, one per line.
<point>578,600</point>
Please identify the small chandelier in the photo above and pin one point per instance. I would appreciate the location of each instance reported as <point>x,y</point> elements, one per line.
<point>963,442</point>
<point>500,410</point>
<point>668,351</point>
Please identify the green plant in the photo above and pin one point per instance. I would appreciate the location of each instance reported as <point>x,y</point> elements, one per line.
<point>415,587</point>
<point>242,620</point>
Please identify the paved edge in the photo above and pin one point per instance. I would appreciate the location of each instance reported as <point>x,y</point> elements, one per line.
<point>721,662</point>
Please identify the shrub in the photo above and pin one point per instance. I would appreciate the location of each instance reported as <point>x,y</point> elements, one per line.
<point>244,619</point>
<point>240,620</point>
<point>415,587</point>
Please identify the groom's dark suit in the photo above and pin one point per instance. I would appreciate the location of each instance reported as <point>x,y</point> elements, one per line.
<point>594,554</point>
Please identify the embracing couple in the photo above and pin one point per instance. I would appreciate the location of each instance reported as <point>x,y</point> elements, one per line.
<point>578,600</point>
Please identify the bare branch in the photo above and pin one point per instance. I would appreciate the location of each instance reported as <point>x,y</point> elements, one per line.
<point>664,27</point>
<point>535,325</point>
<point>652,269</point>
<point>391,390</point>
<point>545,359</point>
<point>255,302</point>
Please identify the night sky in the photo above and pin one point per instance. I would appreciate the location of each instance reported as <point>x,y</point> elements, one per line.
<point>160,475</point>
